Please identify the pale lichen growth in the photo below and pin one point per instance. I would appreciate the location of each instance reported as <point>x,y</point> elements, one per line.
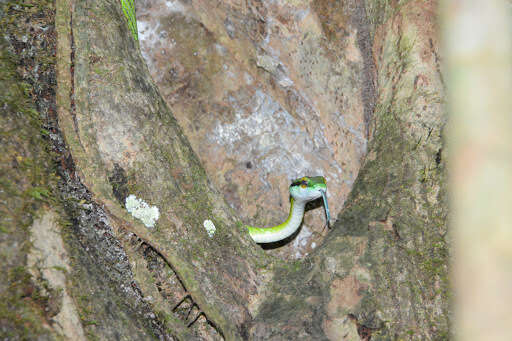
<point>209,227</point>
<point>142,211</point>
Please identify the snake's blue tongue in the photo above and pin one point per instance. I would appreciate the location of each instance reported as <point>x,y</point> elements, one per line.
<point>326,207</point>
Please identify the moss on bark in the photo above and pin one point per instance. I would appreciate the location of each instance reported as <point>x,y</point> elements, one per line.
<point>381,271</point>
<point>36,176</point>
<point>385,265</point>
<point>27,182</point>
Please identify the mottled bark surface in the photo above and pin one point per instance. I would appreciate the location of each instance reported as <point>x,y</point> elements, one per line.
<point>24,183</point>
<point>44,206</point>
<point>117,123</point>
<point>381,271</point>
<point>266,92</point>
<point>385,263</point>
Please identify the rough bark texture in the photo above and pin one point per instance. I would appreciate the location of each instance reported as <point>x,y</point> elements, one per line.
<point>44,204</point>
<point>266,92</point>
<point>381,271</point>
<point>25,183</point>
<point>117,123</point>
<point>385,263</point>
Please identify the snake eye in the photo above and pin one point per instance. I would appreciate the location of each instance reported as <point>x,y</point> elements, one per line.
<point>302,182</point>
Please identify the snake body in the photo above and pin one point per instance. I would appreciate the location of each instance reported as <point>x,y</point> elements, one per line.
<point>302,191</point>
<point>128,7</point>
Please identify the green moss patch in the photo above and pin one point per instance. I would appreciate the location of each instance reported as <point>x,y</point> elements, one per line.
<point>27,179</point>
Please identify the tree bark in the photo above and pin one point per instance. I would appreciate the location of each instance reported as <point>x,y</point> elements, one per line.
<point>381,272</point>
<point>384,265</point>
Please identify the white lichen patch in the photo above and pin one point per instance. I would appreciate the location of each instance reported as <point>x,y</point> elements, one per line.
<point>267,63</point>
<point>285,82</point>
<point>174,6</point>
<point>209,227</point>
<point>142,211</point>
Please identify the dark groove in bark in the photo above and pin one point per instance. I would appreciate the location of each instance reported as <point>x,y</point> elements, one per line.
<point>364,41</point>
<point>72,72</point>
<point>188,295</point>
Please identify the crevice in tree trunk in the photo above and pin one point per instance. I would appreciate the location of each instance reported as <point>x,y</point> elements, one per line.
<point>380,273</point>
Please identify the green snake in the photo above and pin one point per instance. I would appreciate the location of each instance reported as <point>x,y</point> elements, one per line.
<point>128,7</point>
<point>302,191</point>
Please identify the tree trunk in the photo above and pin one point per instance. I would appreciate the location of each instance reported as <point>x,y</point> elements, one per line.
<point>381,272</point>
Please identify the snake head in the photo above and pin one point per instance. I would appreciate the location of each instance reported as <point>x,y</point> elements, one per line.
<point>310,188</point>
